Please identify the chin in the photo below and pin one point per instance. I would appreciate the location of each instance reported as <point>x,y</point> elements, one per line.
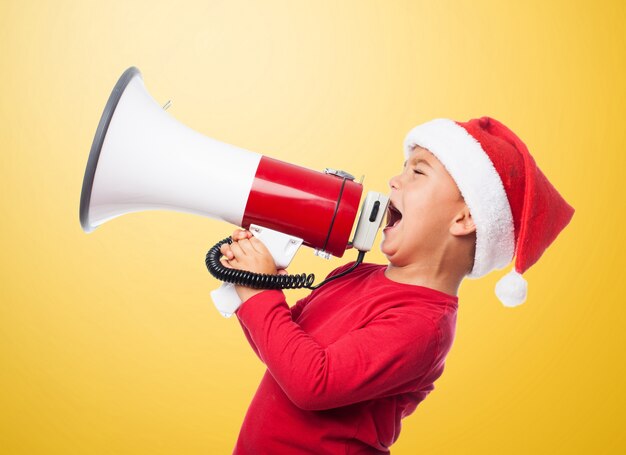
<point>387,251</point>
<point>384,248</point>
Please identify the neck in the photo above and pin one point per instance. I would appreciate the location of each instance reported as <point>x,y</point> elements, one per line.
<point>439,273</point>
<point>427,276</point>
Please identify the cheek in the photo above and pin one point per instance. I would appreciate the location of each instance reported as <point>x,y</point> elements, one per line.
<point>428,211</point>
<point>422,202</point>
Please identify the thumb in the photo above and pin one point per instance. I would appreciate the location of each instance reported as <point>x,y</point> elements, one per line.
<point>282,272</point>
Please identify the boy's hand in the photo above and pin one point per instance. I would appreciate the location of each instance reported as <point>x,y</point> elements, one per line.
<point>248,253</point>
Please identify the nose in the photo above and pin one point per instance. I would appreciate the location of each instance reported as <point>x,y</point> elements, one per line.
<point>394,182</point>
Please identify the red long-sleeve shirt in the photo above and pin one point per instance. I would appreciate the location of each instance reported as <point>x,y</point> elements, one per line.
<point>345,364</point>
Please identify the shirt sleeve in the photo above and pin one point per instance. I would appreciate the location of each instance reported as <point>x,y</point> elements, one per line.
<point>295,313</point>
<point>295,310</point>
<point>299,306</point>
<point>385,357</point>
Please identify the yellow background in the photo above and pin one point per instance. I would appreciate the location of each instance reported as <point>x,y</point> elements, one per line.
<point>109,343</point>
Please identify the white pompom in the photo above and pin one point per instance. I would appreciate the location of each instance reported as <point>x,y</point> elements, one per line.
<point>511,289</point>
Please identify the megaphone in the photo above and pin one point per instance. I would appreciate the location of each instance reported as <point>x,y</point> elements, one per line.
<point>142,158</point>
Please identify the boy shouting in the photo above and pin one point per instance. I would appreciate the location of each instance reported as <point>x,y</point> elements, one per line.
<point>349,361</point>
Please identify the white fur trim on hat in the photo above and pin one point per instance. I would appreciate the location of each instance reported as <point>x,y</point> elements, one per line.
<point>480,185</point>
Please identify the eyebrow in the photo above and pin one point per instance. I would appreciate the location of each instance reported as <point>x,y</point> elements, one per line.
<point>420,160</point>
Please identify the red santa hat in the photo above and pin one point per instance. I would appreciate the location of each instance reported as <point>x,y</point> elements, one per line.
<point>516,210</point>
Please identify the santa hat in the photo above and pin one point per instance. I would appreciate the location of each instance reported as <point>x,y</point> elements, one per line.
<point>516,210</point>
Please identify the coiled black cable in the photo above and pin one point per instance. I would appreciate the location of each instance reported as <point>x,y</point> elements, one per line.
<point>264,280</point>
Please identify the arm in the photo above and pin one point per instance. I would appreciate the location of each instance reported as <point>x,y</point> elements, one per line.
<point>298,307</point>
<point>295,309</point>
<point>300,304</point>
<point>245,293</point>
<point>295,312</point>
<point>383,358</point>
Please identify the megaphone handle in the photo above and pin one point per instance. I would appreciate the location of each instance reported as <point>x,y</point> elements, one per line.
<point>226,299</point>
<point>281,246</point>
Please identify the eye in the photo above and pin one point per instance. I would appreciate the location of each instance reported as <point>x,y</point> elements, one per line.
<point>417,171</point>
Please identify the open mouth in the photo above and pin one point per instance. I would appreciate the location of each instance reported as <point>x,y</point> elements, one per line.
<point>394,216</point>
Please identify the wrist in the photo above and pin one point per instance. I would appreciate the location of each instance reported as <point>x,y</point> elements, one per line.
<point>246,293</point>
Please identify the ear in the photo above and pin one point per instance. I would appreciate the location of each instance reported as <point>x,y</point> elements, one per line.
<point>463,223</point>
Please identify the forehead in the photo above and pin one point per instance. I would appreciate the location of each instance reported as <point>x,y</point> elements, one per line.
<point>419,152</point>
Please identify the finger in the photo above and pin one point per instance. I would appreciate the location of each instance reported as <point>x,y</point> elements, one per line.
<point>226,251</point>
<point>282,272</point>
<point>247,246</point>
<point>259,246</point>
<point>241,234</point>
<point>237,251</point>
<point>225,263</point>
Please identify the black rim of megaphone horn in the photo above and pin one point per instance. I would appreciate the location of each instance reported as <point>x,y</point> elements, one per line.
<point>98,140</point>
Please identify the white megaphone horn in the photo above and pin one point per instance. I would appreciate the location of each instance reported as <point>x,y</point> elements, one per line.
<point>143,159</point>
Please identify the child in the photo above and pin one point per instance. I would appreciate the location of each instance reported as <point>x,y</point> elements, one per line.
<point>349,361</point>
